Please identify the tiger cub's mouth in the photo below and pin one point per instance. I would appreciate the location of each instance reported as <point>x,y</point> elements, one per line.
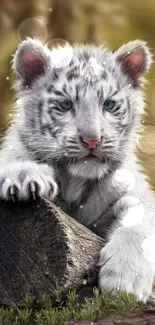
<point>90,156</point>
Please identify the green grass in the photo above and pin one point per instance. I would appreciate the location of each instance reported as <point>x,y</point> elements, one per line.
<point>70,310</point>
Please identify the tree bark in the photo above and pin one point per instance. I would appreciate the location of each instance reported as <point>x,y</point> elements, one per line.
<point>40,244</point>
<point>140,318</point>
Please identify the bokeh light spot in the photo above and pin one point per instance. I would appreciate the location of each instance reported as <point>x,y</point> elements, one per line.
<point>56,43</point>
<point>125,177</point>
<point>32,27</point>
<point>134,216</point>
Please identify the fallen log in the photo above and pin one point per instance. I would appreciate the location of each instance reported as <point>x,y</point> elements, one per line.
<point>139,318</point>
<point>39,245</point>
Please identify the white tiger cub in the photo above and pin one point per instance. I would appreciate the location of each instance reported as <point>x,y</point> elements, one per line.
<point>73,141</point>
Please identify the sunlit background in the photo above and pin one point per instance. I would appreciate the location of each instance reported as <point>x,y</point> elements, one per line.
<point>112,22</point>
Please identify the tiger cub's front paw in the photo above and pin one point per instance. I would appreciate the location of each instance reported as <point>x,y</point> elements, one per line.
<point>23,180</point>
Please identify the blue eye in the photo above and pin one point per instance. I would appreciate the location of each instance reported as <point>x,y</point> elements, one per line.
<point>66,104</point>
<point>108,104</point>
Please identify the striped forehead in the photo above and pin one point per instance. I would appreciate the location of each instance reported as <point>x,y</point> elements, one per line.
<point>90,70</point>
<point>80,72</point>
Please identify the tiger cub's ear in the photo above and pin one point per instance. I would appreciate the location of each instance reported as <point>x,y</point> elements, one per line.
<point>135,59</point>
<point>30,61</point>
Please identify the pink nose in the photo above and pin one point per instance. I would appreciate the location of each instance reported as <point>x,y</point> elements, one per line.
<point>91,144</point>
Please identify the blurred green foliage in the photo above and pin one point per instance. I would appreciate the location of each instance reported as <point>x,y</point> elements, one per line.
<point>112,22</point>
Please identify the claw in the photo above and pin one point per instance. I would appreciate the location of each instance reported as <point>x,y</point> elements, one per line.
<point>50,190</point>
<point>13,193</point>
<point>34,195</point>
<point>33,190</point>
